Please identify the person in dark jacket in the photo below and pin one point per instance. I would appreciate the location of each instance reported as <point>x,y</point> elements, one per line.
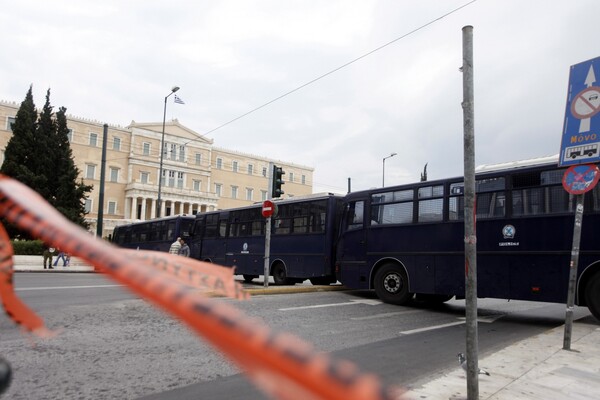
<point>185,249</point>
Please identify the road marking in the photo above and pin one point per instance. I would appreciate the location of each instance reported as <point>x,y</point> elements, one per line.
<point>350,303</point>
<point>462,320</point>
<point>487,320</point>
<point>431,328</point>
<point>385,315</point>
<point>65,287</point>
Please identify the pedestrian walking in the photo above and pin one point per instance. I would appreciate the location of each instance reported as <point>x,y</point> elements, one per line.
<point>47,254</point>
<point>175,246</point>
<point>185,249</point>
<point>63,256</point>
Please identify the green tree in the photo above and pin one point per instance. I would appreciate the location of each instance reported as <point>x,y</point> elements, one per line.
<point>39,155</point>
<point>70,194</point>
<point>46,153</point>
<point>19,156</point>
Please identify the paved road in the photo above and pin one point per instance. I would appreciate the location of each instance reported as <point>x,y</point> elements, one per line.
<point>113,345</point>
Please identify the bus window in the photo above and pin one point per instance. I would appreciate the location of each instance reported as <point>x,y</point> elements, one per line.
<point>354,215</point>
<point>211,224</point>
<point>491,199</point>
<point>431,210</point>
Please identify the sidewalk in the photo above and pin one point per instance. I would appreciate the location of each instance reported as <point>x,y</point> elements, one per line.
<point>36,264</point>
<point>535,368</point>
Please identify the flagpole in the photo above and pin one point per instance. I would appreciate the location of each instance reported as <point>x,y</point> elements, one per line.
<point>162,153</point>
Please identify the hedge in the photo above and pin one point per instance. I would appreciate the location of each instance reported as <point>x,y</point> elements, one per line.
<point>27,247</point>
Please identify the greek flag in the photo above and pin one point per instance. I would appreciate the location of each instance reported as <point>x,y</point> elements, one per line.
<point>177,99</point>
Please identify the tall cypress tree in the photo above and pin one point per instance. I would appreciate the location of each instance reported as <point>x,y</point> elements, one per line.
<point>70,194</point>
<point>19,156</point>
<point>46,153</point>
<point>39,155</point>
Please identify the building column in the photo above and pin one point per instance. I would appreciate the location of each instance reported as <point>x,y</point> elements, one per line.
<point>127,207</point>
<point>134,208</point>
<point>153,210</point>
<point>144,200</point>
<point>162,207</point>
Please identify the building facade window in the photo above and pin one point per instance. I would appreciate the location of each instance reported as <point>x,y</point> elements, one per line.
<point>249,194</point>
<point>112,207</point>
<point>198,159</point>
<point>291,177</point>
<point>114,174</point>
<point>70,135</point>
<point>173,152</point>
<point>90,171</point>
<point>197,185</point>
<point>144,177</point>
<point>180,180</point>
<point>116,143</point>
<point>263,195</point>
<point>264,173</point>
<point>182,153</point>
<point>146,149</point>
<point>250,169</point>
<point>304,179</point>
<point>219,163</point>
<point>9,122</point>
<point>234,166</point>
<point>234,192</point>
<point>93,139</point>
<point>218,189</point>
<point>87,207</point>
<point>171,181</point>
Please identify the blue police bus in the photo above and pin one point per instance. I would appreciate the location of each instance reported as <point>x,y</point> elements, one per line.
<point>406,241</point>
<point>303,235</point>
<point>155,234</point>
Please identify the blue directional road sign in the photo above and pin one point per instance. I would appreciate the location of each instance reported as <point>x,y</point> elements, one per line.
<point>581,132</point>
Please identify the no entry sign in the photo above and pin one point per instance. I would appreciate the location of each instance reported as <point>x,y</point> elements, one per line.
<point>579,179</point>
<point>269,209</point>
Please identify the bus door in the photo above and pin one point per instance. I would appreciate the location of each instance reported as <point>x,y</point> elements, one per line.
<point>352,246</point>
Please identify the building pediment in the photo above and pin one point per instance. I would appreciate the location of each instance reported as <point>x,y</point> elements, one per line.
<point>172,127</point>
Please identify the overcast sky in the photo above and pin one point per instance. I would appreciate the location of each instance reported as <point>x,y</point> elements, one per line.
<point>114,61</point>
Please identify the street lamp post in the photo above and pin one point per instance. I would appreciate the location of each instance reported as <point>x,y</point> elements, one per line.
<point>162,152</point>
<point>384,158</point>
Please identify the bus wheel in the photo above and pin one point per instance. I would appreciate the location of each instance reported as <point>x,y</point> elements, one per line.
<point>391,284</point>
<point>249,278</point>
<point>592,295</point>
<point>279,275</point>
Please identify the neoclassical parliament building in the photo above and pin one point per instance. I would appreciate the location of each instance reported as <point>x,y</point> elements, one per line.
<point>197,176</point>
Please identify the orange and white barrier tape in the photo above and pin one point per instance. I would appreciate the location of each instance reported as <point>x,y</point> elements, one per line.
<point>280,364</point>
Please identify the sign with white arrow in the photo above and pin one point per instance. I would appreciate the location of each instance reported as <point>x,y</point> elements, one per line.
<point>581,131</point>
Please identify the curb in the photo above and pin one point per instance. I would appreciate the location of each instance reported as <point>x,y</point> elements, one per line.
<point>291,289</point>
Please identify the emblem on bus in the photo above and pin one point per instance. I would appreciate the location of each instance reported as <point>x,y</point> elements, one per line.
<point>245,248</point>
<point>509,232</point>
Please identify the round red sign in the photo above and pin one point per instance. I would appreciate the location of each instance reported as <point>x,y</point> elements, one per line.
<point>268,208</point>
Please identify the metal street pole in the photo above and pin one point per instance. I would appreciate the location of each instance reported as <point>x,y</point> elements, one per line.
<point>573,272</point>
<point>383,174</point>
<point>469,212</point>
<point>267,264</point>
<point>100,221</point>
<point>162,152</point>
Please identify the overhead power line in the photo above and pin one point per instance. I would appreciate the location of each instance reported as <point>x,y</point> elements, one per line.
<point>340,67</point>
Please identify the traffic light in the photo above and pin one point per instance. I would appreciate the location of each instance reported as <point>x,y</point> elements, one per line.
<point>277,181</point>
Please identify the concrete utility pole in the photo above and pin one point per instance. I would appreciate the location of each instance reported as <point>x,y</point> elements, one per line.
<point>470,237</point>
